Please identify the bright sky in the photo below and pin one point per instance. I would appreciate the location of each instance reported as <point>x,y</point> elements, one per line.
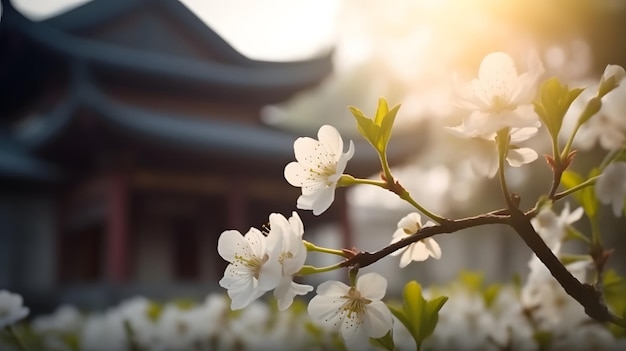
<point>267,30</point>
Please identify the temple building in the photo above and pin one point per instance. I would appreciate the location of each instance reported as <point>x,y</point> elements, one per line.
<point>130,138</point>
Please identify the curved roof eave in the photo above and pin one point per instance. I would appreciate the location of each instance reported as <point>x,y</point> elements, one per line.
<point>94,13</point>
<point>15,163</point>
<point>229,139</point>
<point>287,76</point>
<point>177,131</point>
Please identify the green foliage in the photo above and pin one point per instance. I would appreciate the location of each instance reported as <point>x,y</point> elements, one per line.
<point>614,287</point>
<point>554,100</point>
<point>475,281</point>
<point>385,342</point>
<point>154,311</point>
<point>543,339</point>
<point>572,233</point>
<point>569,259</point>
<point>376,131</point>
<point>586,197</point>
<point>417,314</point>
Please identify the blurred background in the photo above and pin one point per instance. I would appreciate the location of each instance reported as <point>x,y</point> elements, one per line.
<point>133,132</point>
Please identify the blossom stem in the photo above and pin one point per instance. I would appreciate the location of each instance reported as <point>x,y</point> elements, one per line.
<point>308,270</point>
<point>555,150</point>
<point>596,240</point>
<point>378,183</point>
<point>503,148</point>
<point>589,182</point>
<point>386,171</point>
<point>612,156</point>
<point>314,248</point>
<point>18,342</point>
<point>407,197</point>
<point>570,140</point>
<point>402,193</point>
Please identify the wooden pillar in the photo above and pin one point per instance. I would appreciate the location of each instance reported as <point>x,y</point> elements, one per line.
<point>116,228</point>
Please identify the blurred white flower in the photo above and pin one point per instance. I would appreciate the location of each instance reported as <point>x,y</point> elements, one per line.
<point>254,267</point>
<point>494,98</point>
<point>11,308</point>
<point>551,228</point>
<point>608,126</point>
<point>417,251</point>
<point>134,311</point>
<point>184,328</point>
<point>292,256</point>
<point>611,187</point>
<point>485,160</point>
<point>611,77</point>
<point>319,167</point>
<point>104,332</point>
<point>54,328</point>
<point>357,311</point>
<point>65,319</point>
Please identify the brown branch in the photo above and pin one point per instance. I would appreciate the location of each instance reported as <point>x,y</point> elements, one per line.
<point>364,259</point>
<point>585,294</point>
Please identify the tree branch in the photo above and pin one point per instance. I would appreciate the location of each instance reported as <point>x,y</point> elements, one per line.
<point>585,294</point>
<point>364,259</point>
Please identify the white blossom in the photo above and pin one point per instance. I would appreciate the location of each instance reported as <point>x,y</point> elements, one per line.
<point>608,126</point>
<point>320,165</point>
<point>553,228</point>
<point>485,160</point>
<point>254,267</point>
<point>611,187</point>
<point>419,250</point>
<point>11,308</point>
<point>356,311</point>
<point>292,256</point>
<point>495,97</point>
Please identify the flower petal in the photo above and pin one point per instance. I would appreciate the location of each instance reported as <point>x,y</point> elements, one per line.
<point>324,199</point>
<point>433,247</point>
<point>521,156</point>
<point>229,243</point>
<point>330,138</point>
<point>378,319</point>
<point>326,310</point>
<point>333,288</point>
<point>372,286</point>
<point>305,150</point>
<point>287,290</point>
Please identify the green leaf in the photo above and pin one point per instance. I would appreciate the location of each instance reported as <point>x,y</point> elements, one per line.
<point>554,100</point>
<point>586,197</point>
<point>385,342</point>
<point>419,316</point>
<point>432,316</point>
<point>490,294</point>
<point>572,233</point>
<point>368,129</point>
<point>543,339</point>
<point>386,127</point>
<point>381,111</point>
<point>568,259</point>
<point>473,280</point>
<point>376,131</point>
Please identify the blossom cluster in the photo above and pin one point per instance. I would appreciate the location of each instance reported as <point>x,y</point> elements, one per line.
<point>504,109</point>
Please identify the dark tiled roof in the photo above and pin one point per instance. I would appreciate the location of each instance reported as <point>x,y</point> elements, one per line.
<point>239,75</point>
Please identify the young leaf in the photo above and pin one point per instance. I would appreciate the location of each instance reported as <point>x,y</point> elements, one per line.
<point>586,196</point>
<point>418,315</point>
<point>554,100</point>
<point>376,131</point>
